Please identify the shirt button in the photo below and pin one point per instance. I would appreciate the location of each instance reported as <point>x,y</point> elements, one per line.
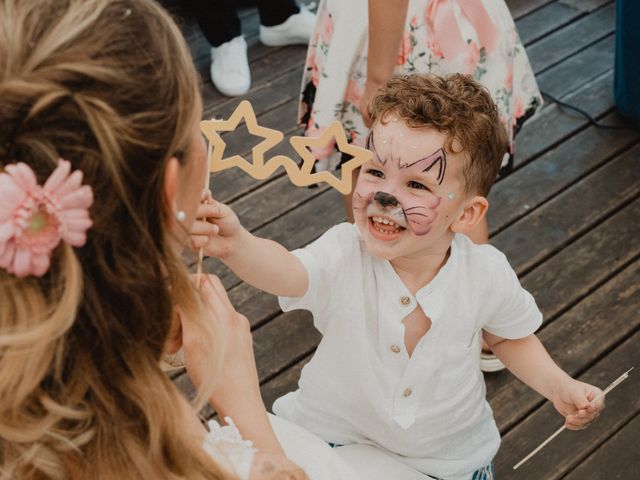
<point>395,348</point>
<point>404,300</point>
<point>407,392</point>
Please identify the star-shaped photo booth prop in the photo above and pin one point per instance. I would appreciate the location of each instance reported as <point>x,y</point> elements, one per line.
<point>260,169</point>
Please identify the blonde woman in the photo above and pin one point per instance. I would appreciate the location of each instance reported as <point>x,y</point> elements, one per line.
<point>100,151</point>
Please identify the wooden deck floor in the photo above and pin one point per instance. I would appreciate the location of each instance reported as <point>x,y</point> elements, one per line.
<point>568,219</point>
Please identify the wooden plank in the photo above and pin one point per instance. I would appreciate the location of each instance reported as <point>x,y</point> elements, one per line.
<point>267,96</point>
<point>183,384</point>
<point>579,69</point>
<point>554,124</point>
<point>520,8</point>
<point>273,200</point>
<point>293,230</point>
<point>573,273</point>
<point>585,5</point>
<point>570,448</point>
<point>575,340</point>
<point>284,341</point>
<point>571,39</point>
<point>284,383</point>
<point>266,69</point>
<point>258,306</point>
<point>573,212</point>
<point>617,459</point>
<point>544,21</point>
<point>530,186</point>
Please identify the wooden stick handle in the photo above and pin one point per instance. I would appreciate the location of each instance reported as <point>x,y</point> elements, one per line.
<point>613,385</point>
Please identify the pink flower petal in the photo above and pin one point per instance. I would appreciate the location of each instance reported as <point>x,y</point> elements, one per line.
<point>81,198</point>
<point>7,230</point>
<point>70,184</point>
<point>10,192</point>
<point>75,238</point>
<point>22,175</point>
<point>6,257</point>
<point>40,265</point>
<point>73,214</point>
<point>58,176</point>
<point>22,263</point>
<point>78,224</point>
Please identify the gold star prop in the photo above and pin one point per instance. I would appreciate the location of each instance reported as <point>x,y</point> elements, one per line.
<point>245,112</point>
<point>260,169</point>
<point>303,145</point>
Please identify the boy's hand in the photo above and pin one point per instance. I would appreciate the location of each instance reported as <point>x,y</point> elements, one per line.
<point>580,403</point>
<point>215,229</point>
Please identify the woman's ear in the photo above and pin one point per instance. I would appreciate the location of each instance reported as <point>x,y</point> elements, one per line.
<point>171,184</point>
<point>471,215</point>
<point>174,338</point>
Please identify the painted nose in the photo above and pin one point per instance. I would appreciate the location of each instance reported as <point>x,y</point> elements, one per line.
<point>385,199</point>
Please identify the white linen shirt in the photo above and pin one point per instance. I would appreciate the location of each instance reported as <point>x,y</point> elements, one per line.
<point>429,410</point>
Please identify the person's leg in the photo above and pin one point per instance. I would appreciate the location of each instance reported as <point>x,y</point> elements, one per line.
<point>221,26</point>
<point>282,22</point>
<point>275,12</point>
<point>312,454</point>
<point>218,20</point>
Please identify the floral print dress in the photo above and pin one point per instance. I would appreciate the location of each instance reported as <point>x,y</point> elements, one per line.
<point>476,37</point>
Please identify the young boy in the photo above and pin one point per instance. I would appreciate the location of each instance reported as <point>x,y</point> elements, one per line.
<point>403,297</point>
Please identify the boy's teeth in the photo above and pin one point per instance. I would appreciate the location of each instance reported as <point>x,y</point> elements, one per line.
<point>385,221</point>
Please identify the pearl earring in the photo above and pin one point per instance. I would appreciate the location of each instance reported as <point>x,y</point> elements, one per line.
<point>181,216</point>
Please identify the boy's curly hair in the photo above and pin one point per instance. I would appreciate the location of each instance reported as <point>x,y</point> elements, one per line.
<point>456,105</point>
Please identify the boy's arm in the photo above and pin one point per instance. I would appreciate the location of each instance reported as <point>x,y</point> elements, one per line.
<point>267,265</point>
<point>580,403</point>
<point>263,263</point>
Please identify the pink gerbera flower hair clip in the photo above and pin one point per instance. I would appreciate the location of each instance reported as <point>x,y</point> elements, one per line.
<point>34,219</point>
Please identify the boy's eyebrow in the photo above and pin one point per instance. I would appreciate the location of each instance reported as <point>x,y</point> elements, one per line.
<point>439,158</point>
<point>371,146</point>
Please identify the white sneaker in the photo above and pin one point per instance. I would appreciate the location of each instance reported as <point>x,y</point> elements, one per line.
<point>297,29</point>
<point>230,67</point>
<point>490,363</point>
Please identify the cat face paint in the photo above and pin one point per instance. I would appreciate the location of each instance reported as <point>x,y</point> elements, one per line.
<point>397,194</point>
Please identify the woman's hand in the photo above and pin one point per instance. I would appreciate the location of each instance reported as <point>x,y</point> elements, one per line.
<point>237,379</point>
<point>236,390</point>
<point>580,403</point>
<point>216,228</point>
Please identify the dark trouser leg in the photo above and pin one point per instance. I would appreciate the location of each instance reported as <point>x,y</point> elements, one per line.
<point>218,20</point>
<point>275,12</point>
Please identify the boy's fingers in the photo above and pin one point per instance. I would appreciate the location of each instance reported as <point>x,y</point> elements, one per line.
<point>204,228</point>
<point>198,241</point>
<point>206,210</point>
<point>206,195</point>
<point>214,210</point>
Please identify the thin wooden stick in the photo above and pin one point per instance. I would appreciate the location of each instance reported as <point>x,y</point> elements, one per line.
<point>613,385</point>
<point>201,249</point>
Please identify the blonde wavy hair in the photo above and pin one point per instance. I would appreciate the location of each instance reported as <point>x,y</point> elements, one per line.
<point>109,86</point>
